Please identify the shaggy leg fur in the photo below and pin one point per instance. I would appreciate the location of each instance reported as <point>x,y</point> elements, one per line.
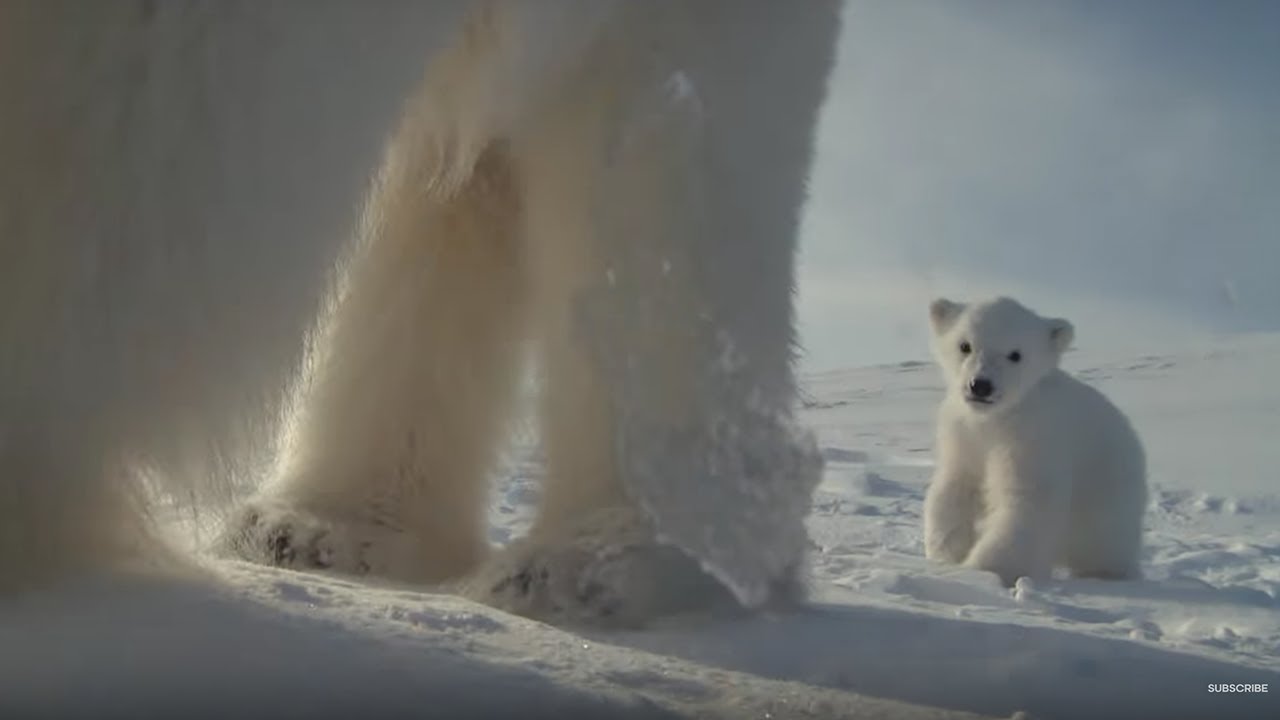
<point>387,474</point>
<point>592,555</point>
<point>664,278</point>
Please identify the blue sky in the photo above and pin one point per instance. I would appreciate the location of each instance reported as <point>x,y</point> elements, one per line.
<point>1117,163</point>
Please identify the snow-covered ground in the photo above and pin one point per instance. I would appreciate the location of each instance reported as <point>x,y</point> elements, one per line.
<point>888,635</point>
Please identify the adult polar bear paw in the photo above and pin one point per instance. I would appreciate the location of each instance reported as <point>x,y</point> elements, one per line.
<point>276,533</point>
<point>605,570</point>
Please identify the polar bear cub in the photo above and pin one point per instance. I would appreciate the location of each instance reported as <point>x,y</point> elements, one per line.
<point>1035,468</point>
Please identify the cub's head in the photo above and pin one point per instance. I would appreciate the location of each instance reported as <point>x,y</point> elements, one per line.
<point>991,353</point>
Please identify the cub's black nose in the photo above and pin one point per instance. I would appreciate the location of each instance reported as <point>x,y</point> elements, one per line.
<point>981,388</point>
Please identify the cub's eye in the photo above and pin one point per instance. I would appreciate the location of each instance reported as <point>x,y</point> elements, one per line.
<point>1015,356</point>
<point>965,347</point>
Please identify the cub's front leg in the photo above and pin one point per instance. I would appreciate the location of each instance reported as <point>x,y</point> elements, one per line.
<point>1026,508</point>
<point>951,510</point>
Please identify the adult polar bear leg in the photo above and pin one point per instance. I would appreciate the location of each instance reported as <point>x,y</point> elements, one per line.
<point>166,223</point>
<point>716,458</point>
<point>386,470</point>
<point>591,555</point>
<point>76,345</point>
<point>676,197</point>
<point>60,510</point>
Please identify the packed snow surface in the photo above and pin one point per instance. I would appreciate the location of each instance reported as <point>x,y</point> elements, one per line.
<point>887,634</point>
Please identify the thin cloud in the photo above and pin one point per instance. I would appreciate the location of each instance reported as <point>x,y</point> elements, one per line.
<point>1048,150</point>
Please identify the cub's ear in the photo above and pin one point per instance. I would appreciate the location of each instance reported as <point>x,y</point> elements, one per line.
<point>942,313</point>
<point>1061,333</point>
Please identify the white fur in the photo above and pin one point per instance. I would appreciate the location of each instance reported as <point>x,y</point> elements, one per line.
<point>1047,473</point>
<point>177,300</point>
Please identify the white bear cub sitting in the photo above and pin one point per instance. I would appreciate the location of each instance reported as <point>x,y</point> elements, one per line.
<point>1035,468</point>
